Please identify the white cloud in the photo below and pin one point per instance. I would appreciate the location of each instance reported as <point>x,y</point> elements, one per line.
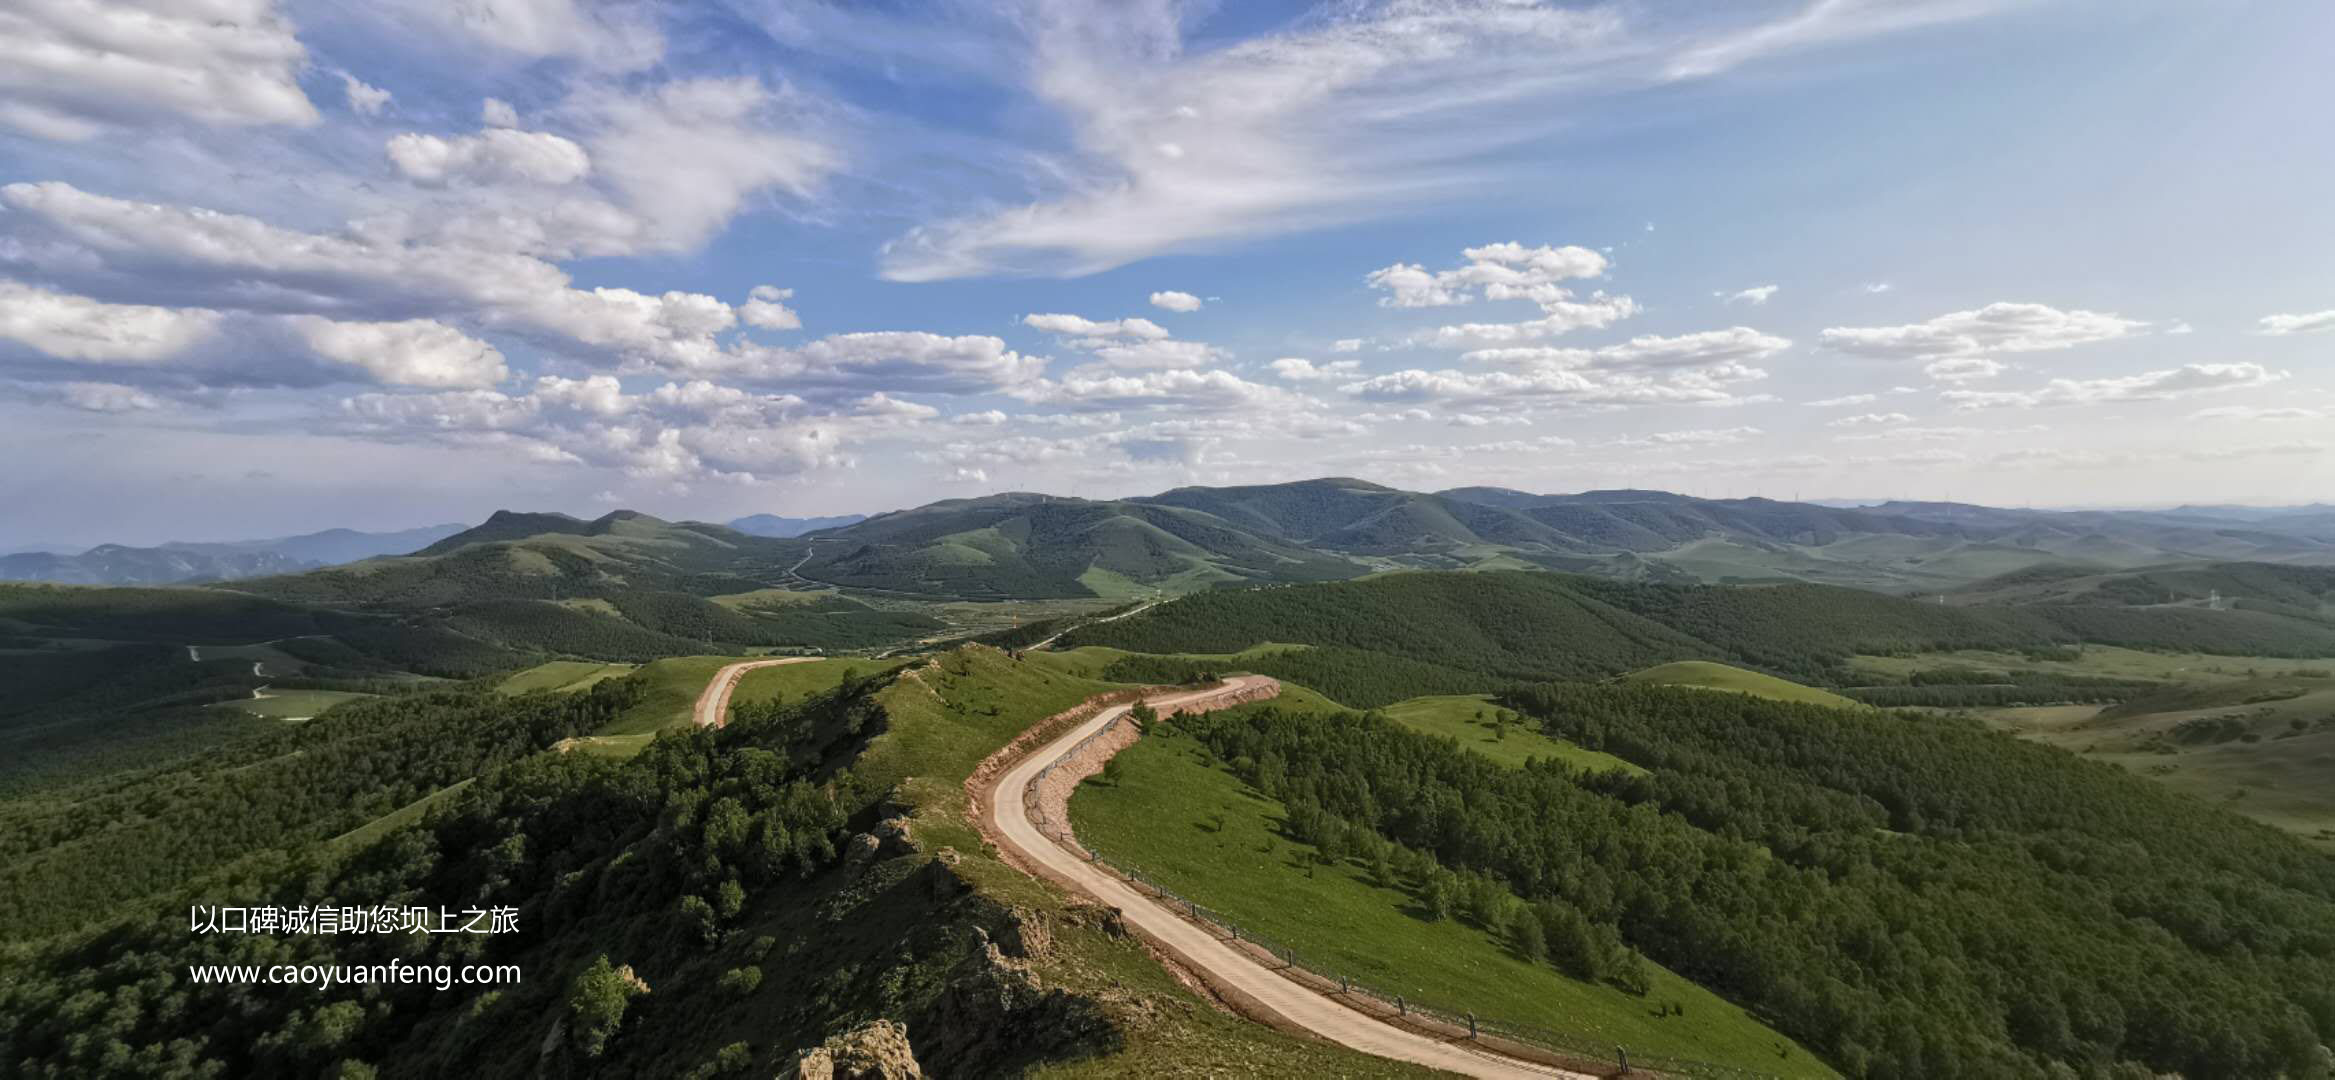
<point>1913,434</point>
<point>364,99</point>
<point>1706,348</point>
<point>616,35</point>
<point>1824,22</point>
<point>1183,389</point>
<point>1846,399</point>
<point>686,155</point>
<point>677,432</point>
<point>200,347</point>
<point>1350,344</point>
<point>1870,419</point>
<point>1300,369</point>
<point>2315,322</point>
<point>1754,296</point>
<point>1876,288</point>
<point>2147,386</point>
<point>96,397</point>
<point>1171,300</point>
<point>497,113</point>
<point>414,352</point>
<point>108,398</point>
<point>74,70</point>
<point>2257,414</point>
<point>765,308</point>
<point>1504,271</point>
<point>1357,112</point>
<point>1548,384</point>
<point>493,156</point>
<point>1697,437</point>
<point>69,327</point>
<point>1954,369</point>
<point>1157,354</point>
<point>1076,326</point>
<point>2000,327</point>
<point>898,361</point>
<point>2294,448</point>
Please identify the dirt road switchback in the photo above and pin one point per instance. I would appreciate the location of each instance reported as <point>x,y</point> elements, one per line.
<point>713,706</point>
<point>1234,972</point>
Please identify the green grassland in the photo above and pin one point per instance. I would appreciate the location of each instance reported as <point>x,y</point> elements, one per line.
<point>1713,676</point>
<point>294,704</point>
<point>1456,716</point>
<point>1163,815</point>
<point>673,683</point>
<point>358,838</point>
<point>2100,660</point>
<point>2262,747</point>
<point>793,682</point>
<point>670,686</point>
<point>565,676</point>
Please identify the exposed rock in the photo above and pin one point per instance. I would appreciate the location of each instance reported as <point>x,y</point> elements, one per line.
<point>1025,934</point>
<point>876,1050</point>
<point>995,1012</point>
<point>1115,924</point>
<point>896,834</point>
<point>861,849</point>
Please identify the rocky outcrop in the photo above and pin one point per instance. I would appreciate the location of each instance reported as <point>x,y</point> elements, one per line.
<point>875,1050</point>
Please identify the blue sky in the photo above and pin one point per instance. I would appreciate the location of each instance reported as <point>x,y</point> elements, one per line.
<point>269,267</point>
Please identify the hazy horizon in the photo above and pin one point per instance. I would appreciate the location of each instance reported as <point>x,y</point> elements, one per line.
<point>10,544</point>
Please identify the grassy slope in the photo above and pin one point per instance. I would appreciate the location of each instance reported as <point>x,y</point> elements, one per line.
<point>285,704</point>
<point>944,718</point>
<point>2101,660</point>
<point>1713,676</point>
<point>797,681</point>
<point>562,675</point>
<point>675,681</point>
<point>1454,716</point>
<point>1160,817</point>
<point>2284,777</point>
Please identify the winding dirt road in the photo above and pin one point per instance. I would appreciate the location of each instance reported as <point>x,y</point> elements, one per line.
<point>1137,610</point>
<point>1235,973</point>
<point>713,705</point>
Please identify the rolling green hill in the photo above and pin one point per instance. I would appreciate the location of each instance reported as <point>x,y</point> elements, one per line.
<point>1039,546</point>
<point>1519,625</point>
<point>1710,676</point>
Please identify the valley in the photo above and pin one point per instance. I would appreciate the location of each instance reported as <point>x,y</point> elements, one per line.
<point>1790,828</point>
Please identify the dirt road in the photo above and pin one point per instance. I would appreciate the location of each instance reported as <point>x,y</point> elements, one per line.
<point>1137,610</point>
<point>1287,1003</point>
<point>713,706</point>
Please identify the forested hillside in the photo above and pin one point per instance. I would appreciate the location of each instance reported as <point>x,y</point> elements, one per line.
<point>701,908</point>
<point>1911,898</point>
<point>1509,626</point>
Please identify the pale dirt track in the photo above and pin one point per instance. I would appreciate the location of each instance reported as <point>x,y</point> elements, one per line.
<point>714,703</point>
<point>1147,606</point>
<point>1234,973</point>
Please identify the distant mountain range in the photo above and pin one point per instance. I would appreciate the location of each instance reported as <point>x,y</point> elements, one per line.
<point>1030,545</point>
<point>1033,545</point>
<point>774,525</point>
<point>180,563</point>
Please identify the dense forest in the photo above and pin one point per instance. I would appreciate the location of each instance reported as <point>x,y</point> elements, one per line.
<point>1914,898</point>
<point>75,854</point>
<point>688,912</point>
<point>1524,625</point>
